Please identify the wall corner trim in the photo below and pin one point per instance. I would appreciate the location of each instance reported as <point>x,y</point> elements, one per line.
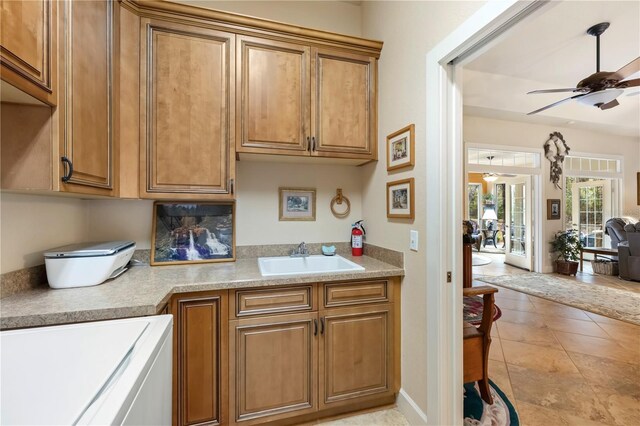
<point>408,407</point>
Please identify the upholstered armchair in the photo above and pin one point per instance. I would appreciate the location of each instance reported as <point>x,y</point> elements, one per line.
<point>629,253</point>
<point>614,228</point>
<point>472,233</point>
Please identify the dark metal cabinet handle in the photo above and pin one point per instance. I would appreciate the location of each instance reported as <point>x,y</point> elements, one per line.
<point>313,143</point>
<point>308,145</point>
<point>232,185</point>
<point>315,327</point>
<point>321,325</point>
<point>68,167</point>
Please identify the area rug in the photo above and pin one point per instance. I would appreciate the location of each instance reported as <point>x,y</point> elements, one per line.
<point>472,309</point>
<point>479,413</point>
<point>477,260</point>
<point>610,302</point>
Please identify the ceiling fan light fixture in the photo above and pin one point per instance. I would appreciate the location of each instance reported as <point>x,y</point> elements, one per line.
<point>600,97</point>
<point>490,177</point>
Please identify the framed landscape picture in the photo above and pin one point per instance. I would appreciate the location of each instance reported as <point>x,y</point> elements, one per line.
<point>297,204</point>
<point>401,148</point>
<point>189,232</point>
<point>401,199</point>
<point>553,209</point>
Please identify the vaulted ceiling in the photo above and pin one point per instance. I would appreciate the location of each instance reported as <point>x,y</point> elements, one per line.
<point>551,49</point>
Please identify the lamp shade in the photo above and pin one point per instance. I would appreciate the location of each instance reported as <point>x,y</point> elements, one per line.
<point>489,214</point>
<point>490,177</point>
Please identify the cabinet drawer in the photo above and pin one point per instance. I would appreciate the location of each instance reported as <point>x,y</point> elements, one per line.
<point>357,293</point>
<point>270,301</point>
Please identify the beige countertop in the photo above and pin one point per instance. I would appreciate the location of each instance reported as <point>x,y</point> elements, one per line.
<point>143,290</point>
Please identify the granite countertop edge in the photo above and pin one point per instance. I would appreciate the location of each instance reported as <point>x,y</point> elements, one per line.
<point>160,293</point>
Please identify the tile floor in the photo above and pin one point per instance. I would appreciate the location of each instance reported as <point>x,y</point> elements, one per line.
<point>560,366</point>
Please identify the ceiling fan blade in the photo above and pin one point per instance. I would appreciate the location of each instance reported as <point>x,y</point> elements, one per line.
<point>573,89</point>
<point>610,105</point>
<point>631,68</point>
<point>628,83</point>
<point>557,103</point>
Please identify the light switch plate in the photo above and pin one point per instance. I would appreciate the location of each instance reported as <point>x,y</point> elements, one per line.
<point>413,240</point>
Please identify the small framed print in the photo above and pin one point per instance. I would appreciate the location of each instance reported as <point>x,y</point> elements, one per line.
<point>401,148</point>
<point>297,203</point>
<point>400,199</point>
<point>192,232</point>
<point>553,209</point>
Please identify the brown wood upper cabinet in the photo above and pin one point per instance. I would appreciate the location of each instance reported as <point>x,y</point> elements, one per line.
<point>187,116</point>
<point>86,104</point>
<point>28,46</point>
<point>306,101</point>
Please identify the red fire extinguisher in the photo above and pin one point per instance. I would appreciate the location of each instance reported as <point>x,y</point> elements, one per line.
<point>357,234</point>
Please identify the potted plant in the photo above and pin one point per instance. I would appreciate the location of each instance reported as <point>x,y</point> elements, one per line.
<point>488,199</point>
<point>567,245</point>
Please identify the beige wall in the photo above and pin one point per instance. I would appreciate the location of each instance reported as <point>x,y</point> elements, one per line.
<point>510,133</point>
<point>257,207</point>
<point>409,30</point>
<point>327,15</point>
<point>30,224</point>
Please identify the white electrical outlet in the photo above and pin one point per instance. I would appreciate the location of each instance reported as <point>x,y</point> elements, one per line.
<point>413,240</point>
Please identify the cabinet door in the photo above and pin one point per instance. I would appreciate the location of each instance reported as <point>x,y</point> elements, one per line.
<point>28,46</point>
<point>344,99</point>
<point>199,359</point>
<point>356,355</point>
<point>275,87</point>
<point>273,367</point>
<point>87,104</point>
<point>186,84</point>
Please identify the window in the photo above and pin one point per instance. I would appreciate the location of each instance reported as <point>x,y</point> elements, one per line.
<point>499,191</point>
<point>588,164</point>
<point>504,158</point>
<point>474,192</point>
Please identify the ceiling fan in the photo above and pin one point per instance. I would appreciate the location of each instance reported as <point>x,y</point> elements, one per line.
<point>601,88</point>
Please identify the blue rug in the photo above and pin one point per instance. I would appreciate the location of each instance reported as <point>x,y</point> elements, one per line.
<point>479,413</point>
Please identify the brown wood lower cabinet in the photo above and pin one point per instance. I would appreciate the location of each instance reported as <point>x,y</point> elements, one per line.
<point>273,365</point>
<point>356,354</point>
<point>200,358</point>
<point>241,358</point>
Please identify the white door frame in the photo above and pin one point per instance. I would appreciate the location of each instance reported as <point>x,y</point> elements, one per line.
<point>445,178</point>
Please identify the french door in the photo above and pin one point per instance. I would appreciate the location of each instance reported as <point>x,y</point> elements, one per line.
<point>590,209</point>
<point>518,220</point>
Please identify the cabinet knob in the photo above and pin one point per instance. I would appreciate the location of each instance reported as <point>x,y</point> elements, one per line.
<point>68,165</point>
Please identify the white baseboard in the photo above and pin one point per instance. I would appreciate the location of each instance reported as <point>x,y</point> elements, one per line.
<point>407,406</point>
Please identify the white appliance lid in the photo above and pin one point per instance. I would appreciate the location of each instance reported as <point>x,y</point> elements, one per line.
<point>105,248</point>
<point>51,375</point>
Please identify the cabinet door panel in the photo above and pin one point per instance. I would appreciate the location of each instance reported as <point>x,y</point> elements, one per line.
<point>344,101</point>
<point>27,46</point>
<point>189,100</point>
<point>201,331</point>
<point>88,73</point>
<point>274,367</point>
<point>275,96</point>
<point>356,355</point>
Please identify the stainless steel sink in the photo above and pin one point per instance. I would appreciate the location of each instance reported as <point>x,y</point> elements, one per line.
<point>285,265</point>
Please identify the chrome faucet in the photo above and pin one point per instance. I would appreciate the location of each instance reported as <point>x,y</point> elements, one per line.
<point>301,251</point>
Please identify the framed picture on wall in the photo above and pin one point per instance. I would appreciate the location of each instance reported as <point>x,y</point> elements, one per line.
<point>401,199</point>
<point>401,148</point>
<point>188,232</point>
<point>553,209</point>
<point>297,204</point>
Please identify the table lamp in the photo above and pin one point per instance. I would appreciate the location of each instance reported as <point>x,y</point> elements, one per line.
<point>489,215</point>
